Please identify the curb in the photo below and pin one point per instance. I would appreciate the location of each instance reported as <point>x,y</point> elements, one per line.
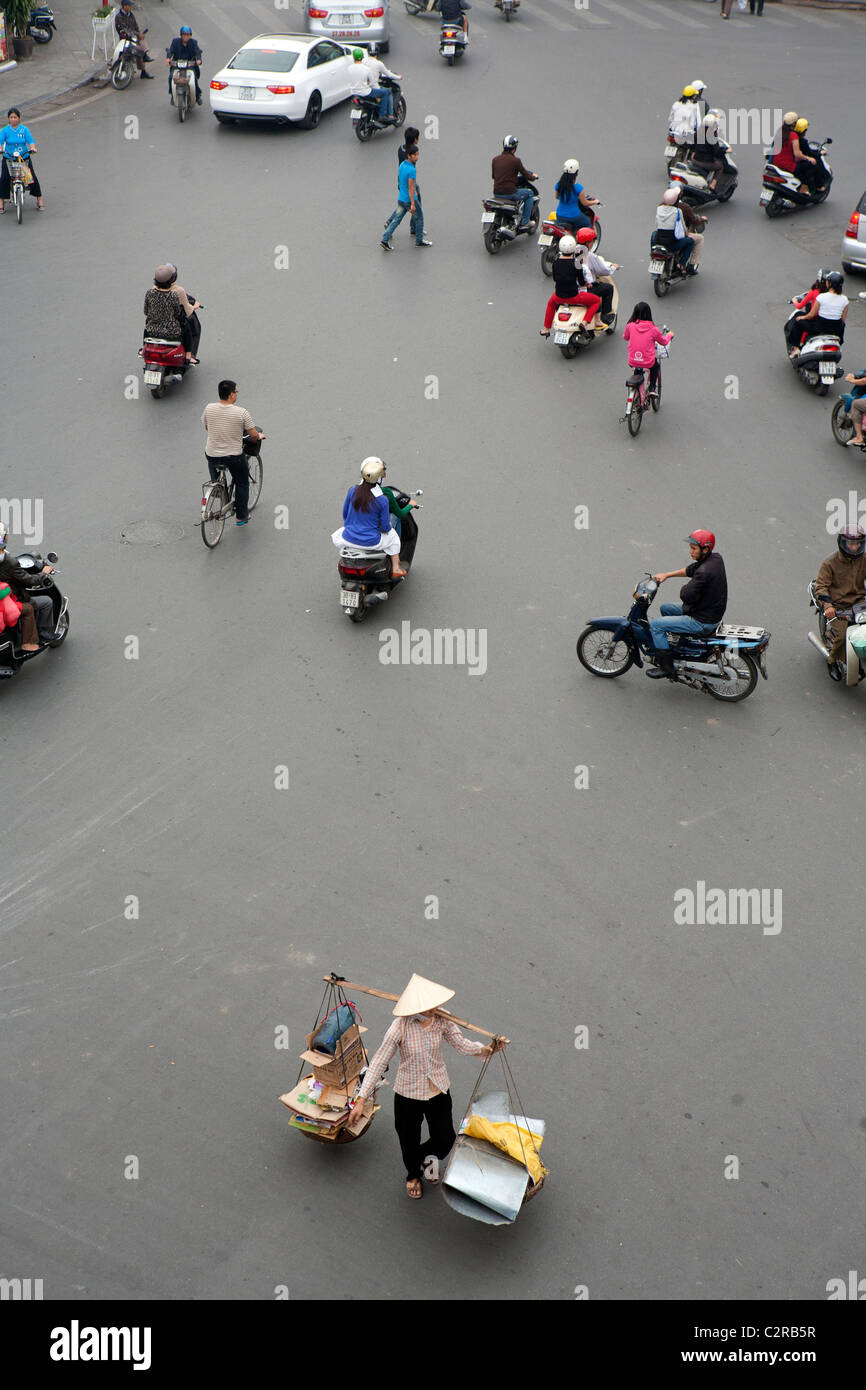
<point>64,91</point>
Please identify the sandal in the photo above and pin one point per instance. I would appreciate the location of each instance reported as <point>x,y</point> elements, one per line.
<point>414,1189</point>
<point>430,1169</point>
<point>544,332</point>
<point>192,361</point>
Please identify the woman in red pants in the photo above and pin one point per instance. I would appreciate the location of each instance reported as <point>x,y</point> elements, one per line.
<point>568,282</point>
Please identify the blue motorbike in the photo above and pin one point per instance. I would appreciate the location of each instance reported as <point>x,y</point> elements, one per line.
<point>840,421</point>
<point>724,663</point>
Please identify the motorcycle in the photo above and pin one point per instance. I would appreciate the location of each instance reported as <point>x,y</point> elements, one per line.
<point>365,575</point>
<point>723,664</point>
<point>841,422</point>
<point>12,658</point>
<point>122,65</point>
<point>552,233</point>
<point>165,362</point>
<point>570,328</point>
<point>500,220</point>
<point>855,635</point>
<point>509,8</point>
<point>453,42</point>
<point>818,361</point>
<point>414,7</point>
<point>365,116</point>
<point>41,24</point>
<point>183,87</point>
<point>780,187</point>
<point>666,269</point>
<point>695,181</point>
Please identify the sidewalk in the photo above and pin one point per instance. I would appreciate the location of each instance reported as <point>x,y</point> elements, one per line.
<point>57,66</point>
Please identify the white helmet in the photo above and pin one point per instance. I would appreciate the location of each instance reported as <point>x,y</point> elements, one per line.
<point>372,469</point>
<point>571,166</point>
<point>710,120</point>
<point>567,246</point>
<point>671,194</point>
<point>698,85</point>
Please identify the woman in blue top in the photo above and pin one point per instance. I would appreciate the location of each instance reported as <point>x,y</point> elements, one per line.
<point>367,519</point>
<point>573,208</point>
<point>15,138</point>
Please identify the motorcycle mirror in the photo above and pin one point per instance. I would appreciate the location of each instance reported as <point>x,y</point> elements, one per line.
<point>51,557</point>
<point>829,140</point>
<point>419,493</point>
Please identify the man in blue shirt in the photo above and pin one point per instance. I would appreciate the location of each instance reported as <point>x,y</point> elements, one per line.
<point>407,188</point>
<point>16,139</point>
<point>184,47</point>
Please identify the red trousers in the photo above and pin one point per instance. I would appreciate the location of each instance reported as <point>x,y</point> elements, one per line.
<point>592,302</point>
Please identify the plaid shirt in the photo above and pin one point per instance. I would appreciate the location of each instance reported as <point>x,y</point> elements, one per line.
<point>421,1067</point>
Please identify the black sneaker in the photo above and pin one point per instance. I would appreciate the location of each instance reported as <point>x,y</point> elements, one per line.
<point>835,670</point>
<point>386,246</point>
<point>146,76</point>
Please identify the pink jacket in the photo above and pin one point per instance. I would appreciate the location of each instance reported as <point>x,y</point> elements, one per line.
<point>642,338</point>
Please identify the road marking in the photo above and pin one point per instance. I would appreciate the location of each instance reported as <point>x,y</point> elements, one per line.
<point>678,17</point>
<point>628,14</point>
<point>579,15</point>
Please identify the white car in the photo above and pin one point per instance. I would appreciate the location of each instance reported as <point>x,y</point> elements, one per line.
<point>282,77</point>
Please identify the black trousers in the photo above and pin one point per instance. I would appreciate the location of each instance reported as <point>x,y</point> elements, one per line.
<point>409,1115</point>
<point>34,190</point>
<point>240,471</point>
<point>811,175</point>
<point>605,294</point>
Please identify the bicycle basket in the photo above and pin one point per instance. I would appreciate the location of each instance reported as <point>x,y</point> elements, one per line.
<point>20,172</point>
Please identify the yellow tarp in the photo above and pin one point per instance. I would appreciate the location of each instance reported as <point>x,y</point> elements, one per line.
<point>512,1139</point>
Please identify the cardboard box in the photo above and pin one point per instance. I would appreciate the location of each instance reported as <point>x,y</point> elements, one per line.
<point>334,1071</point>
<point>291,1100</point>
<point>344,1042</point>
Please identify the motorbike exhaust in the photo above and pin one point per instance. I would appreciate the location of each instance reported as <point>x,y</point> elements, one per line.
<point>817,644</point>
<point>507,234</point>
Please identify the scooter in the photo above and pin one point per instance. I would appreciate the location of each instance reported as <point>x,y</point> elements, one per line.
<point>165,362</point>
<point>695,181</point>
<point>365,575</point>
<point>818,361</point>
<point>855,635</point>
<point>571,330</point>
<point>552,234</point>
<point>453,42</point>
<point>183,87</point>
<point>509,8</point>
<point>723,664</point>
<point>41,24</point>
<point>12,658</point>
<point>780,190</point>
<point>364,112</point>
<point>841,422</point>
<point>123,59</point>
<point>500,220</point>
<point>666,269</point>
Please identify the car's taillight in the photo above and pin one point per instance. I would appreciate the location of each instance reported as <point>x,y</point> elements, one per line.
<point>218,86</point>
<point>374,14</point>
<point>318,14</point>
<point>279,91</point>
<point>853,225</point>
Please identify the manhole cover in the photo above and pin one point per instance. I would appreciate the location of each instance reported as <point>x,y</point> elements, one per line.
<point>151,533</point>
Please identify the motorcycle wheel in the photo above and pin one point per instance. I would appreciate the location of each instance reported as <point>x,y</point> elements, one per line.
<point>822,196</point>
<point>122,75</point>
<point>41,35</point>
<point>357,615</point>
<point>410,8</point>
<point>399,112</point>
<point>727,195</point>
<point>822,389</point>
<point>157,392</point>
<point>364,129</point>
<point>775,207</point>
<point>661,285</point>
<point>747,679</point>
<point>254,468</point>
<point>590,645</point>
<point>490,242</point>
<point>181,108</point>
<point>841,424</point>
<point>633,419</point>
<point>213,517</point>
<point>548,256</point>
<point>63,633</point>
<point>571,348</point>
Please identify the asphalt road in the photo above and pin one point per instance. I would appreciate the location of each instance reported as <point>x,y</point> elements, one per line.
<point>154,777</point>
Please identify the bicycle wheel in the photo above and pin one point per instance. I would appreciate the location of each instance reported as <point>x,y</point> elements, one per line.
<point>254,467</point>
<point>213,516</point>
<point>18,195</point>
<point>634,418</point>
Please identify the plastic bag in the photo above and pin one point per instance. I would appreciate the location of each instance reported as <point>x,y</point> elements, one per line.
<point>336,1023</point>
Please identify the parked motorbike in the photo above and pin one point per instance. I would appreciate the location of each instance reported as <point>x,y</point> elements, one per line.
<point>453,42</point>
<point>165,362</point>
<point>723,664</point>
<point>364,112</point>
<point>665,269</point>
<point>841,422</point>
<point>41,24</point>
<point>819,359</point>
<point>183,87</point>
<point>780,187</point>
<point>500,220</point>
<point>695,181</point>
<point>855,635</point>
<point>571,330</point>
<point>11,656</point>
<point>365,575</point>
<point>122,65</point>
<point>552,233</point>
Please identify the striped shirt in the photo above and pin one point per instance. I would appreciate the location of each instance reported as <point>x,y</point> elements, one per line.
<point>421,1071</point>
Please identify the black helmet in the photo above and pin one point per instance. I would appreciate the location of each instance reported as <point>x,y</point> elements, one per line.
<point>509,143</point>
<point>836,279</point>
<point>851,541</point>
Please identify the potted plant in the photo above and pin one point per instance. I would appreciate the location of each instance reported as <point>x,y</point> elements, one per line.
<point>17,21</point>
<point>104,13</point>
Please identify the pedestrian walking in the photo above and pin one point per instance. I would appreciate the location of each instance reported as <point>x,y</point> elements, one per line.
<point>411,136</point>
<point>725,9</point>
<point>422,1090</point>
<point>225,423</point>
<point>756,7</point>
<point>408,200</point>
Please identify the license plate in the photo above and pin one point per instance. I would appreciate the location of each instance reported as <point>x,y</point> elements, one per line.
<point>346,19</point>
<point>765,198</point>
<point>356,115</point>
<point>247,94</point>
<point>152,378</point>
<point>828,369</point>
<point>346,33</point>
<point>656,267</point>
<point>545,240</point>
<point>350,598</point>
<point>670,151</point>
<point>488,217</point>
<point>449,48</point>
<point>561,338</point>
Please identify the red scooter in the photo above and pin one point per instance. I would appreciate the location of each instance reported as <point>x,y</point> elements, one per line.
<point>551,235</point>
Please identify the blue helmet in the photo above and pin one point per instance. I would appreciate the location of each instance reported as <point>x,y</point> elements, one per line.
<point>185,29</point>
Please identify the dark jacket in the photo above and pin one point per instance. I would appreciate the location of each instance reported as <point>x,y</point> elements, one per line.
<point>843,577</point>
<point>18,579</point>
<point>705,597</point>
<point>506,169</point>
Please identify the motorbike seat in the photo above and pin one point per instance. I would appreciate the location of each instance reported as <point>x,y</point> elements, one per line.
<point>350,552</point>
<point>162,342</point>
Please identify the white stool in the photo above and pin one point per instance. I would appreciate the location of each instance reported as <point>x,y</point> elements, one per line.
<point>103,31</point>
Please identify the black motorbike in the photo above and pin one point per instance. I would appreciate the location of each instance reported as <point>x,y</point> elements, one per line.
<point>666,269</point>
<point>365,575</point>
<point>500,220</point>
<point>780,189</point>
<point>41,24</point>
<point>11,656</point>
<point>364,112</point>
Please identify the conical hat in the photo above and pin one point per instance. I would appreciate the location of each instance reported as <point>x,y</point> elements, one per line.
<point>420,995</point>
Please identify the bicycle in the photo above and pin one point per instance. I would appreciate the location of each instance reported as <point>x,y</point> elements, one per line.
<point>639,397</point>
<point>218,498</point>
<point>20,178</point>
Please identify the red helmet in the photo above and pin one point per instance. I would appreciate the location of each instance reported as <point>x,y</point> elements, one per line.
<point>585,236</point>
<point>705,539</point>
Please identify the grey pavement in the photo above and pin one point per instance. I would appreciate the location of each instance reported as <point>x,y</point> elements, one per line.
<point>165,907</point>
<point>55,67</point>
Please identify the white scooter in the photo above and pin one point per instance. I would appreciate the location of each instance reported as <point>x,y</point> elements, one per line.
<point>571,329</point>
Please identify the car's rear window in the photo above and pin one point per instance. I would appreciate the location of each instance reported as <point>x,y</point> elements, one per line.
<point>861,206</point>
<point>264,60</point>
